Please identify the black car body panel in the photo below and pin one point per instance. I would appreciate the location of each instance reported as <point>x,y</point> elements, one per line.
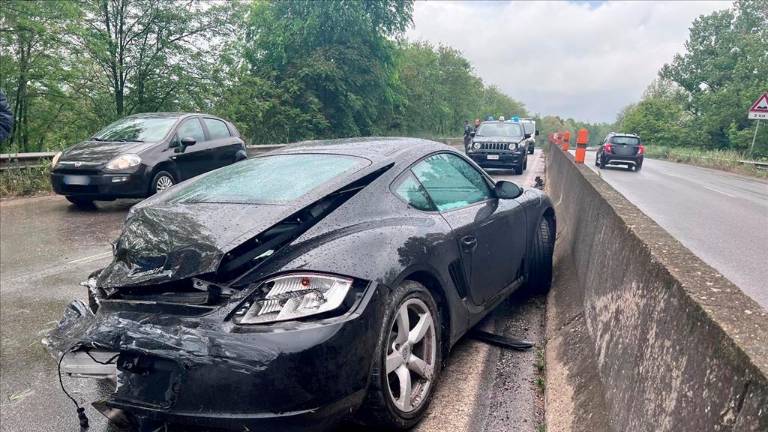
<point>81,169</point>
<point>186,360</point>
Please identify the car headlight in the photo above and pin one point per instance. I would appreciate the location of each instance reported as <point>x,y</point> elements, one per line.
<point>512,146</point>
<point>55,159</point>
<point>293,296</point>
<point>124,162</point>
<point>477,145</point>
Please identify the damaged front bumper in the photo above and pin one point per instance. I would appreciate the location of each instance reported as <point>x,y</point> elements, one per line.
<point>205,371</point>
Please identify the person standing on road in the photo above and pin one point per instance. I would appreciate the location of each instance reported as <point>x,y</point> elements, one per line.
<point>467,134</point>
<point>6,118</point>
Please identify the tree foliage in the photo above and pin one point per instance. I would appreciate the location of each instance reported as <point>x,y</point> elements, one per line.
<point>703,95</point>
<point>282,71</point>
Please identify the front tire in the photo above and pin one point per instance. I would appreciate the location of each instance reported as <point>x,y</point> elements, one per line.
<point>540,257</point>
<point>162,181</point>
<point>408,360</point>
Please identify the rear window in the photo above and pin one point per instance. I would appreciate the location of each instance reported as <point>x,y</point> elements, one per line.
<point>216,128</point>
<point>625,140</point>
<point>275,179</point>
<point>500,130</point>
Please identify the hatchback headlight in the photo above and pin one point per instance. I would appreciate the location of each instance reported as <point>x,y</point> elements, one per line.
<point>55,160</point>
<point>124,162</point>
<point>294,296</point>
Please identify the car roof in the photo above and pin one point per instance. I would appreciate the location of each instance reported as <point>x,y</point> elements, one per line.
<point>171,115</point>
<point>623,134</point>
<point>376,149</point>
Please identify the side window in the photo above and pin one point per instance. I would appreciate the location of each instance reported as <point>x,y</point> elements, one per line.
<point>191,128</point>
<point>216,128</point>
<point>413,193</point>
<point>451,182</point>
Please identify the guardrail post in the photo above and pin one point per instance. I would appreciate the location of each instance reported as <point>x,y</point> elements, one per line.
<point>582,138</point>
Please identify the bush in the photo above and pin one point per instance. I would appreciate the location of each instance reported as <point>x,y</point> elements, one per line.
<point>21,181</point>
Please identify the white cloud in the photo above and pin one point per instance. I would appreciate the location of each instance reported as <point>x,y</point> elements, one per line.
<point>578,60</point>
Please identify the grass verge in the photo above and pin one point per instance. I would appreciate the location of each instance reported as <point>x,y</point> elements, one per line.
<point>725,160</point>
<point>24,181</point>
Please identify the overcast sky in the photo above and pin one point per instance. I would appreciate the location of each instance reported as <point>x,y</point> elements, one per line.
<point>585,60</point>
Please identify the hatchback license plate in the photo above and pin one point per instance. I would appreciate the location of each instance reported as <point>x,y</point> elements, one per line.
<point>493,157</point>
<point>79,180</point>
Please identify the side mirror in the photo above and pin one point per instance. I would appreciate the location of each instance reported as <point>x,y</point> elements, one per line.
<point>507,190</point>
<point>527,136</point>
<point>188,141</point>
<point>537,132</point>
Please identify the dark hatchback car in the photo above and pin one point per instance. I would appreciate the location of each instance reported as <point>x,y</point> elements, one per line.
<point>297,288</point>
<point>500,144</point>
<point>142,154</point>
<point>621,149</point>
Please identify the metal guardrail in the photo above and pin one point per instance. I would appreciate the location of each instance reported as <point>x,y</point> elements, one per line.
<point>9,161</point>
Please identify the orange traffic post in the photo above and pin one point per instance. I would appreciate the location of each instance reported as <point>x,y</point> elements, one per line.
<point>582,138</point>
<point>566,140</point>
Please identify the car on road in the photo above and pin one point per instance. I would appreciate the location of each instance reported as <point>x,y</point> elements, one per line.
<point>500,144</point>
<point>143,154</point>
<point>293,289</point>
<point>529,126</point>
<point>621,149</point>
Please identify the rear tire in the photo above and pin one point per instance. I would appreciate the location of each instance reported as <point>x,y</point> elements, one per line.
<point>638,167</point>
<point>80,202</point>
<point>161,181</point>
<point>382,409</point>
<point>540,258</point>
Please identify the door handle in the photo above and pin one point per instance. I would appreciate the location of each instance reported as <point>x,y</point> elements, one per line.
<point>468,243</point>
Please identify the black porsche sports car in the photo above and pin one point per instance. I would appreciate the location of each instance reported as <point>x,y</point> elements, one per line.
<point>291,290</point>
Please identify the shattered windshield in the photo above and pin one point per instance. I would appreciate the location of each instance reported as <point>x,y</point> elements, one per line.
<point>276,179</point>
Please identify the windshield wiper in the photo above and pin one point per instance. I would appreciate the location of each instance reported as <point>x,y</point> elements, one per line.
<point>96,139</point>
<point>130,140</point>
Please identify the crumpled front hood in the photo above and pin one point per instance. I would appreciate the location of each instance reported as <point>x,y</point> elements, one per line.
<point>100,151</point>
<point>167,242</point>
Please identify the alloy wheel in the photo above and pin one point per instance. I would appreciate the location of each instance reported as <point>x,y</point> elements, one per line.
<point>411,355</point>
<point>163,183</point>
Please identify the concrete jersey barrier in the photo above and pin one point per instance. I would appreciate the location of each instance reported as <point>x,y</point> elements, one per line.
<point>671,345</point>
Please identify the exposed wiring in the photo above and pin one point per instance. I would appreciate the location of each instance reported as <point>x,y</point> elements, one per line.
<point>107,362</point>
<point>80,410</point>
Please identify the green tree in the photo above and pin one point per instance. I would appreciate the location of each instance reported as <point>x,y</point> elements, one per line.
<point>722,71</point>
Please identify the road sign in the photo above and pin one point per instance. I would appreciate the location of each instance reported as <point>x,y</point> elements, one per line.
<point>759,110</point>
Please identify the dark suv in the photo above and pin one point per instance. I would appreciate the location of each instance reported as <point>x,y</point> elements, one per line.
<point>621,149</point>
<point>500,144</point>
<point>140,155</point>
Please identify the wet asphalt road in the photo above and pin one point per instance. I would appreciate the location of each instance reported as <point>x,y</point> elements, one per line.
<point>49,246</point>
<point>721,217</point>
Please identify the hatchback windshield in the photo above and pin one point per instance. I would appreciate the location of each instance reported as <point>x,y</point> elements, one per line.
<point>132,129</point>
<point>269,180</point>
<point>625,140</point>
<point>500,130</point>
